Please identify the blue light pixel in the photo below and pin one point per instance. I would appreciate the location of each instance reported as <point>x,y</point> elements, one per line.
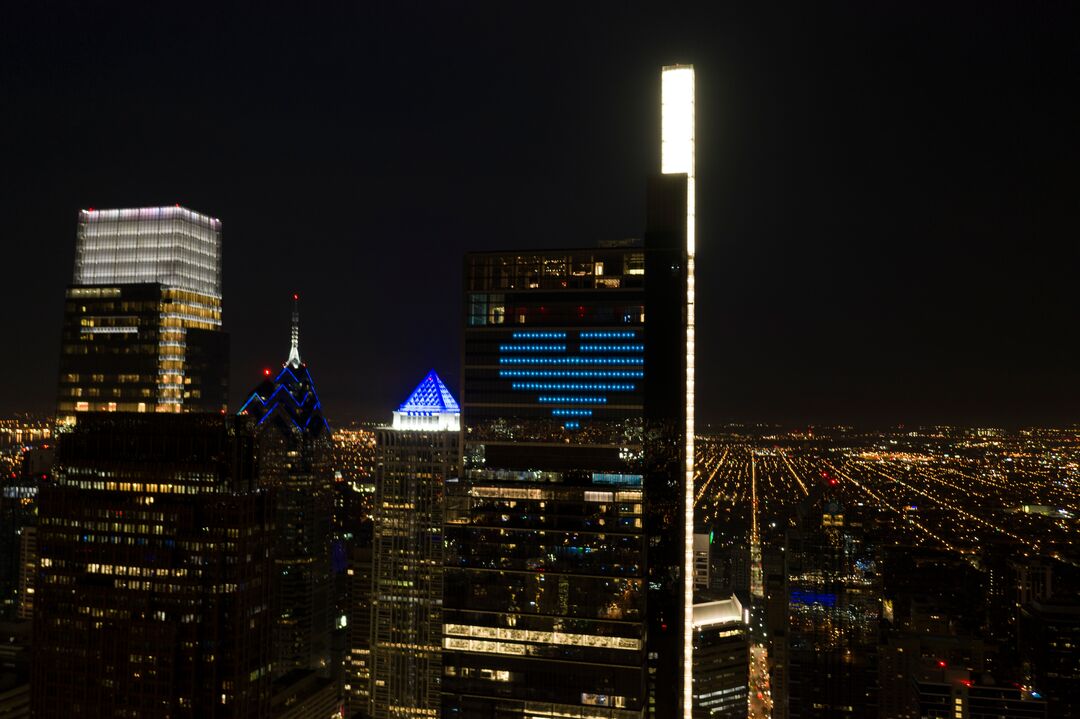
<point>571,360</point>
<point>571,413</point>
<point>607,335</point>
<point>597,374</point>
<point>573,386</point>
<point>539,335</point>
<point>611,348</point>
<point>532,348</point>
<point>571,425</point>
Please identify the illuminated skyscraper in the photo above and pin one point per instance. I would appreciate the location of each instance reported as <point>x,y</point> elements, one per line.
<point>415,457</point>
<point>721,660</point>
<point>152,597</point>
<point>142,317</point>
<point>569,586</point>
<point>294,451</point>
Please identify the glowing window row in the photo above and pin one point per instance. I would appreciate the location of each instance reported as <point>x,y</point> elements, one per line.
<point>572,386</point>
<point>532,348</point>
<point>571,360</point>
<point>541,637</point>
<point>612,348</point>
<point>592,374</point>
<point>539,335</point>
<point>607,335</point>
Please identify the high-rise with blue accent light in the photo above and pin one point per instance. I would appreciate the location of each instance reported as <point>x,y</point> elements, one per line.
<point>293,461</point>
<point>415,457</point>
<point>566,586</point>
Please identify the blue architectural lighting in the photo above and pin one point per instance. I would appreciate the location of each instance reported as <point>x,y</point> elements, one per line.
<point>607,335</point>
<point>592,374</point>
<point>572,386</point>
<point>612,348</point>
<point>430,398</point>
<point>571,413</point>
<point>571,360</point>
<point>539,335</point>
<point>572,400</point>
<point>532,348</point>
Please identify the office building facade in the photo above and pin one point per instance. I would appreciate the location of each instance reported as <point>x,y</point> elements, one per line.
<point>142,318</point>
<point>721,660</point>
<point>415,457</point>
<point>569,580</point>
<point>152,597</point>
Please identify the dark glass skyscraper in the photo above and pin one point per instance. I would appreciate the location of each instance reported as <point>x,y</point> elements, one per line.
<point>569,534</point>
<point>153,590</point>
<point>142,317</point>
<point>294,452</point>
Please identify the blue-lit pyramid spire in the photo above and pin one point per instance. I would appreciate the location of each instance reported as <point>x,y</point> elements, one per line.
<point>430,406</point>
<point>288,401</point>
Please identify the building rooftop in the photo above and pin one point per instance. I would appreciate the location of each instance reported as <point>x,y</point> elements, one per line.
<point>725,611</point>
<point>430,406</point>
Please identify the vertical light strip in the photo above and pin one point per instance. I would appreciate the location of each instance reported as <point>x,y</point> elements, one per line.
<point>677,157</point>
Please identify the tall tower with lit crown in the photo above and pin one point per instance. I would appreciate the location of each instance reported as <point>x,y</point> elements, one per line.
<point>294,449</point>
<point>415,457</point>
<point>677,157</point>
<point>570,532</point>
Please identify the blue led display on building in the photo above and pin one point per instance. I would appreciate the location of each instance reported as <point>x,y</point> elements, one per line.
<point>607,335</point>
<point>611,348</point>
<point>571,360</point>
<point>571,386</point>
<point>604,356</point>
<point>592,374</point>
<point>532,348</point>
<point>539,335</point>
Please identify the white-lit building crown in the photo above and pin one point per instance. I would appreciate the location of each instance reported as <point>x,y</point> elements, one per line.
<point>173,246</point>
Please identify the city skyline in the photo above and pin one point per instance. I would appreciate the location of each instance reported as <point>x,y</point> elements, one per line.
<point>871,261</point>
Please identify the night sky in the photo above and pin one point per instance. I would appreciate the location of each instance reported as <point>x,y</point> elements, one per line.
<point>888,191</point>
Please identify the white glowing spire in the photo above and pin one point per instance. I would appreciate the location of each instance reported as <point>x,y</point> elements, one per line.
<point>294,349</point>
<point>677,157</point>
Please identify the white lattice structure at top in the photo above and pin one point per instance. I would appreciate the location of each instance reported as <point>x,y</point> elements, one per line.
<point>173,246</point>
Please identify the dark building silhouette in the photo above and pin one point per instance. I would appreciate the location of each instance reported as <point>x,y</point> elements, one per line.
<point>1049,639</point>
<point>294,450</point>
<point>142,317</point>
<point>153,590</point>
<point>358,637</point>
<point>834,598</point>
